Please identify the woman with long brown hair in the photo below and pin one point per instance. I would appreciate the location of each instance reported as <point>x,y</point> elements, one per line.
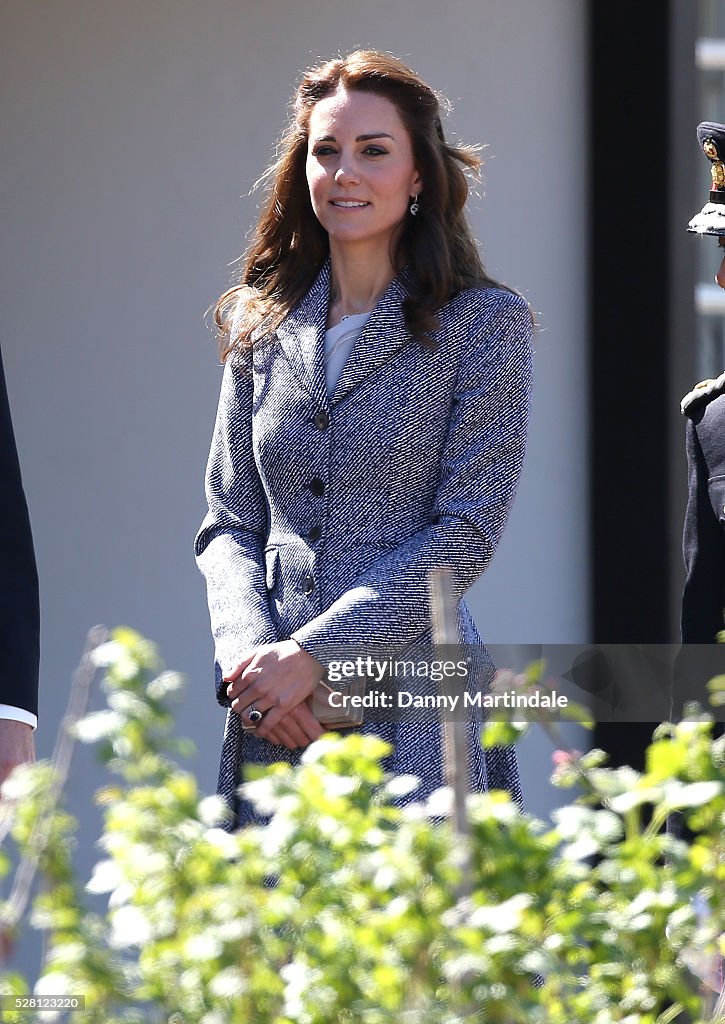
<point>371,424</point>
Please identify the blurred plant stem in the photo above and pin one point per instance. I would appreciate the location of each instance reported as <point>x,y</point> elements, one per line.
<point>17,903</point>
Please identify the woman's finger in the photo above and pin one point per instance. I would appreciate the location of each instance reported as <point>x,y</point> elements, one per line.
<point>293,736</point>
<point>246,660</point>
<point>244,682</point>
<point>307,721</point>
<point>284,737</point>
<point>242,705</point>
<point>306,727</point>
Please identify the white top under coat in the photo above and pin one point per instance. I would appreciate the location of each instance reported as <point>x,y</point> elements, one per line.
<point>339,343</point>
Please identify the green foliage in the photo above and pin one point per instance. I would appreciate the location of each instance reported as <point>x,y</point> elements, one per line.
<point>349,908</point>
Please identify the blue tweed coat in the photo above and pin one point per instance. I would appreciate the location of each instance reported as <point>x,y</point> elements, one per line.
<point>326,512</point>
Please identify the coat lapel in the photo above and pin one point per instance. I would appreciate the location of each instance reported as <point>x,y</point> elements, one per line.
<point>302,335</point>
<point>382,337</point>
<point>302,338</point>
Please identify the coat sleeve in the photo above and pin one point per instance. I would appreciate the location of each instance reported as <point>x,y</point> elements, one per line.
<point>388,607</point>
<point>229,546</point>
<point>19,604</point>
<point>703,547</point>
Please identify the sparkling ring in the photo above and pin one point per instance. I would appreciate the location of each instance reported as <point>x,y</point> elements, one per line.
<point>255,715</point>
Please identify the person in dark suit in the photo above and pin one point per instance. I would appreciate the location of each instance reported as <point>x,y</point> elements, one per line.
<point>19,607</point>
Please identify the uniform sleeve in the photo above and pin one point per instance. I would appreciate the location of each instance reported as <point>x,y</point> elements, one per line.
<point>229,546</point>
<point>389,607</point>
<point>703,550</point>
<point>19,603</point>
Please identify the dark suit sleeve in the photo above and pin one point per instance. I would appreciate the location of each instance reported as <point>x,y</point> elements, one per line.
<point>703,598</point>
<point>19,603</point>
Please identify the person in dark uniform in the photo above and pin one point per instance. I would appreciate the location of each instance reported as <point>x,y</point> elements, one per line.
<point>703,599</point>
<point>19,607</point>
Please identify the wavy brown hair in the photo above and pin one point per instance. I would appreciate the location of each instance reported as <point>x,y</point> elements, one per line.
<point>290,245</point>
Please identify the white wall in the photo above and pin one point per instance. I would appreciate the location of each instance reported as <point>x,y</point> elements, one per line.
<point>129,131</point>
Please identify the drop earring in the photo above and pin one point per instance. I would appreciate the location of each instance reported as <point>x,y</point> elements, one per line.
<point>415,205</point>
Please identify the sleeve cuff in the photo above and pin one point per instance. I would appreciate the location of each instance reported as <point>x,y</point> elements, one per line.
<point>13,714</point>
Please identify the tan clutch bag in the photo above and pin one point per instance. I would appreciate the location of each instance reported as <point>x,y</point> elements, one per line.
<point>335,709</point>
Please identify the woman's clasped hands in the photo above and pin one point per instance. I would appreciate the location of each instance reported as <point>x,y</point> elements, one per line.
<point>275,680</point>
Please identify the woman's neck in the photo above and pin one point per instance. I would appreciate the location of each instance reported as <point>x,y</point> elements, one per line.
<point>356,284</point>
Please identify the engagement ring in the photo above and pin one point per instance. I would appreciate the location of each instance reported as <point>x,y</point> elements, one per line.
<point>255,715</point>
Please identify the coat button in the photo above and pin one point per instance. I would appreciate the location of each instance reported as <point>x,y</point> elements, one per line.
<point>321,420</point>
<point>308,585</point>
<point>314,533</point>
<point>317,486</point>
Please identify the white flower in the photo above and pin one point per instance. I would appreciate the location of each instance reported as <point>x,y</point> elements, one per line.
<point>440,803</point>
<point>166,683</point>
<point>205,946</point>
<point>107,654</point>
<point>116,656</point>
<point>317,750</point>
<point>228,983</point>
<point>692,794</point>
<point>340,785</point>
<point>385,877</point>
<point>262,794</point>
<point>297,978</point>
<point>97,725</point>
<point>398,906</point>
<point>105,878</point>
<point>120,895</point>
<point>501,917</point>
<point>212,810</point>
<point>52,984</point>
<point>25,780</point>
<point>128,704</point>
<point>130,927</point>
<point>223,842</point>
<point>401,785</point>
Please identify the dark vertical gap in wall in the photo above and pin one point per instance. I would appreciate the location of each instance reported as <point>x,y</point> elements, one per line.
<point>688,192</point>
<point>629,44</point>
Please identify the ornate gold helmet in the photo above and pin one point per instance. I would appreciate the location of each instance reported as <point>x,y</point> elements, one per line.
<point>711,218</point>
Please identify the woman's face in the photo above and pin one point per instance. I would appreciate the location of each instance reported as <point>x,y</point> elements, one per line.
<point>360,169</point>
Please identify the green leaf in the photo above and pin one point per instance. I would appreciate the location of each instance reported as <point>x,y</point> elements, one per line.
<point>503,734</point>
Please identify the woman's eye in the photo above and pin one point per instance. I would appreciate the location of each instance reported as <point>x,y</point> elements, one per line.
<point>368,151</point>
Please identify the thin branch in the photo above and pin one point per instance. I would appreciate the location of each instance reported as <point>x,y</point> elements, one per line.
<point>61,761</point>
<point>445,631</point>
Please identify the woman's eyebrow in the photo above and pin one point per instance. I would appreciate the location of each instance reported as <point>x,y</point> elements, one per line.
<point>360,138</point>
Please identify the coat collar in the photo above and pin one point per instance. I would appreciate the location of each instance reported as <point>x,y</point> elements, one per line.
<point>302,337</point>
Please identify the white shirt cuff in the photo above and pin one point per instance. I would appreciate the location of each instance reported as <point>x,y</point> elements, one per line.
<point>13,714</point>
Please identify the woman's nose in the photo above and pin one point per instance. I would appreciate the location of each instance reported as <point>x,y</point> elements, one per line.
<point>720,276</point>
<point>345,173</point>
